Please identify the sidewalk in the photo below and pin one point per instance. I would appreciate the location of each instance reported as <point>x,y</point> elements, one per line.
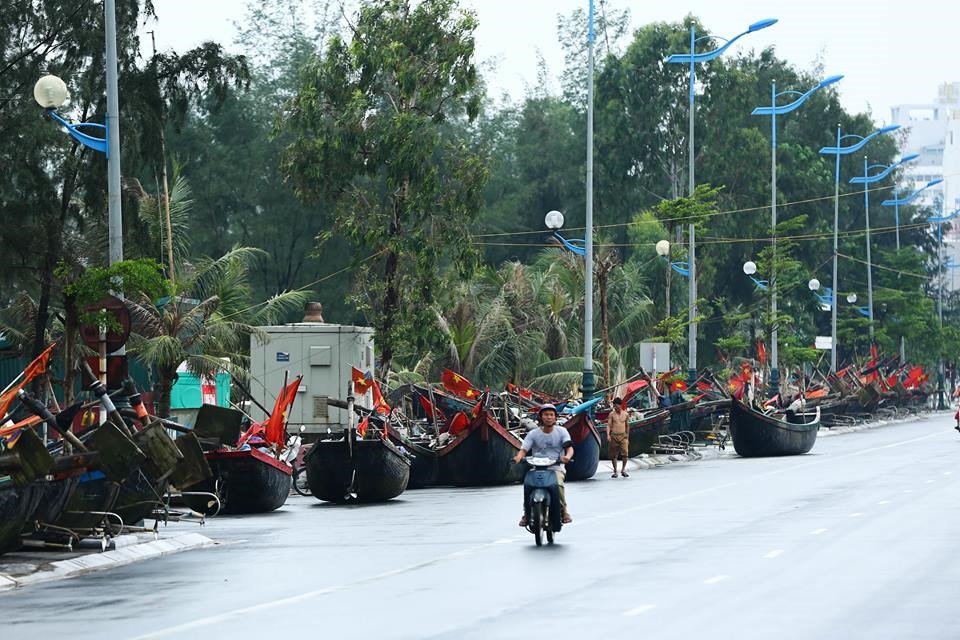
<point>28,566</point>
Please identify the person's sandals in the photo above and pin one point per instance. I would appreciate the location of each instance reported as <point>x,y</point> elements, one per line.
<point>523,521</point>
<point>567,519</point>
<point>614,475</point>
<point>625,474</point>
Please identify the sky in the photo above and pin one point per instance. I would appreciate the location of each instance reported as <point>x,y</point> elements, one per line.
<point>889,52</point>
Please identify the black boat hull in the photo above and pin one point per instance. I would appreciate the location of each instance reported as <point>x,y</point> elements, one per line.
<point>245,481</point>
<point>481,456</point>
<point>643,434</point>
<point>362,471</point>
<point>424,467</point>
<point>17,506</point>
<point>87,505</point>
<point>586,447</point>
<point>756,435</point>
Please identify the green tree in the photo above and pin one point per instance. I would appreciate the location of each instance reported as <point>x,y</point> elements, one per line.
<point>369,132</point>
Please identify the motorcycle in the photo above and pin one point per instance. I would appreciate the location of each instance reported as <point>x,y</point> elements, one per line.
<point>541,498</point>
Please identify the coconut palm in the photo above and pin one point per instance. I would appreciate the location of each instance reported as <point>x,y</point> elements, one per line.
<point>209,317</point>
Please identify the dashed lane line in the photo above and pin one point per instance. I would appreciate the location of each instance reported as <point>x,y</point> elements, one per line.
<point>638,610</point>
<point>817,532</point>
<point>773,554</point>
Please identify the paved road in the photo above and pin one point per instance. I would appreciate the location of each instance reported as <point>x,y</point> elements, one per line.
<point>851,541</point>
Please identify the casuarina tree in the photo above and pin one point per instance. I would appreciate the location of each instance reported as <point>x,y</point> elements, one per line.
<point>377,128</point>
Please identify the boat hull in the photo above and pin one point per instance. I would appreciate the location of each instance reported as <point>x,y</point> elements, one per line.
<point>362,471</point>
<point>643,434</point>
<point>17,506</point>
<point>756,435</point>
<point>424,467</point>
<point>586,447</point>
<point>138,497</point>
<point>245,481</point>
<point>481,456</point>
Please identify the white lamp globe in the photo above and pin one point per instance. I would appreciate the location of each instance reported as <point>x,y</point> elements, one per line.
<point>814,284</point>
<point>749,267</point>
<point>852,298</point>
<point>50,92</point>
<point>663,248</point>
<point>553,220</point>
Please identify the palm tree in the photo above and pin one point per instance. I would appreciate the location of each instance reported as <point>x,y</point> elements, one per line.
<point>208,317</point>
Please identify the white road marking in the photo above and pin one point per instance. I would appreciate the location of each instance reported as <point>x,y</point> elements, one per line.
<point>178,630</point>
<point>715,579</point>
<point>638,610</point>
<point>504,540</point>
<point>908,490</point>
<point>817,532</point>
<point>929,482</point>
<point>856,515</point>
<point>947,473</point>
<point>774,553</point>
<point>884,502</point>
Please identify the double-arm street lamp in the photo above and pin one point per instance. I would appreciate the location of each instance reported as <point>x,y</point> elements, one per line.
<point>896,202</point>
<point>773,111</point>
<point>692,58</point>
<point>866,179</point>
<point>842,151</point>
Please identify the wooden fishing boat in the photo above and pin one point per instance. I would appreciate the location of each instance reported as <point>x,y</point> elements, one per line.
<point>586,447</point>
<point>481,455</point>
<point>424,466</point>
<point>643,432</point>
<point>681,415</point>
<point>17,505</point>
<point>87,505</point>
<point>138,497</point>
<point>346,470</point>
<point>756,434</point>
<point>247,481</point>
<point>706,414</point>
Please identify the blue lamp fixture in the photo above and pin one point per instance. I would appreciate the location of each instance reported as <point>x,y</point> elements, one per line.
<point>51,93</point>
<point>896,202</point>
<point>692,58</point>
<point>773,111</point>
<point>842,151</point>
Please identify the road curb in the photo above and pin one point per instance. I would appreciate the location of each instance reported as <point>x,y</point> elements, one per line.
<point>826,432</point>
<point>125,554</point>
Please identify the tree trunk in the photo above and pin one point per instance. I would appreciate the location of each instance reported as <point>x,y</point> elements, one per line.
<point>161,392</point>
<point>43,310</point>
<point>70,325</point>
<point>605,336</point>
<point>391,301</point>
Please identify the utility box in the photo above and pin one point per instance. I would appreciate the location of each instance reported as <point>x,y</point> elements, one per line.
<point>325,355</point>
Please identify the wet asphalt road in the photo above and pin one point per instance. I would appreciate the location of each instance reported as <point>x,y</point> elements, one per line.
<point>851,541</point>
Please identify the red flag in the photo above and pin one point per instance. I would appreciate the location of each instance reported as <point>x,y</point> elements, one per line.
<point>34,369</point>
<point>458,385</point>
<point>362,427</point>
<point>678,385</point>
<point>361,381</point>
<point>704,386</point>
<point>275,426</point>
<point>873,355</point>
<point>379,404</point>
<point>459,423</point>
<point>761,352</point>
<point>477,407</point>
<point>430,409</point>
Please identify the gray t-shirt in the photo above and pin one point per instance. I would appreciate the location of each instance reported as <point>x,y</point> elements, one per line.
<point>538,444</point>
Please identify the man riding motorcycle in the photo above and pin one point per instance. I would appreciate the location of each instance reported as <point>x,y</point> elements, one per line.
<point>553,442</point>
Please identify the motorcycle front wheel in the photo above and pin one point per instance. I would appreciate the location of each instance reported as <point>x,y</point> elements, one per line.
<point>538,515</point>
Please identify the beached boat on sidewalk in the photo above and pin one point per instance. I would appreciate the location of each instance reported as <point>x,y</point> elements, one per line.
<point>481,455</point>
<point>346,470</point>
<point>756,434</point>
<point>246,481</point>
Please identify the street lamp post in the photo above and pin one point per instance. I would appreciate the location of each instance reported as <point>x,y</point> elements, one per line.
<point>589,384</point>
<point>896,202</point>
<point>692,58</point>
<point>773,111</point>
<point>866,179</point>
<point>842,151</point>
<point>939,220</point>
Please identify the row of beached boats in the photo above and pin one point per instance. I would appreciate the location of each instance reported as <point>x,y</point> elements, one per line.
<point>65,477</point>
